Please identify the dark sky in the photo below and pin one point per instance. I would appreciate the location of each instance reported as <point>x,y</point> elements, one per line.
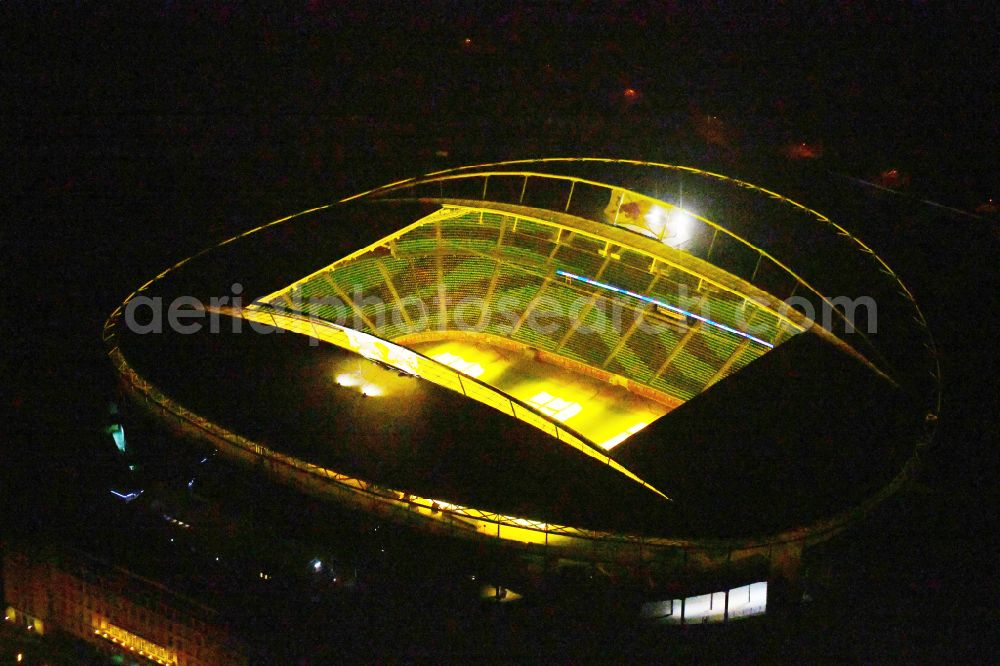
<point>912,84</point>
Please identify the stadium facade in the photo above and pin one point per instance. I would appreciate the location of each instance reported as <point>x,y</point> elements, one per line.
<point>673,374</point>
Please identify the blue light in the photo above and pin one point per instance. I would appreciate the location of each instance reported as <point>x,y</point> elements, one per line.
<point>129,497</point>
<point>647,299</point>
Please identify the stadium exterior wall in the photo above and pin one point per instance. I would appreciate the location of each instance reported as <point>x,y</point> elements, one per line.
<point>662,560</point>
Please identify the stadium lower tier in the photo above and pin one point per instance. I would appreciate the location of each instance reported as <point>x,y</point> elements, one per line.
<point>604,413</point>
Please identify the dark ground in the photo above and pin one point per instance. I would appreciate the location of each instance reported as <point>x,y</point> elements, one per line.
<point>132,139</point>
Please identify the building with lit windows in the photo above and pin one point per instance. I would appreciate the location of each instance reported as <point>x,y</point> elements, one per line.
<point>123,615</point>
<point>671,374</point>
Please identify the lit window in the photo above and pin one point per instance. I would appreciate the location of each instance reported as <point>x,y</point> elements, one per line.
<point>748,600</point>
<point>709,608</point>
<point>705,608</point>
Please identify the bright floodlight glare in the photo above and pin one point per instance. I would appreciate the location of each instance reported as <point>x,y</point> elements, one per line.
<point>674,227</point>
<point>656,220</point>
<point>680,228</point>
<point>348,379</point>
<point>371,390</point>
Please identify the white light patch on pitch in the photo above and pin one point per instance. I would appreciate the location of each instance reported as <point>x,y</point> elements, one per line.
<point>605,411</point>
<point>458,363</point>
<point>558,408</point>
<point>622,436</point>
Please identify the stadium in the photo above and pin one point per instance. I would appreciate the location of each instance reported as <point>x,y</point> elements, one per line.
<point>668,373</point>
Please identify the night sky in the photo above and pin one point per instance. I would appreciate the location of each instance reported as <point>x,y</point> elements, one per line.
<point>133,135</point>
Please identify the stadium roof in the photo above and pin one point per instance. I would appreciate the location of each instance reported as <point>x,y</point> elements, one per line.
<point>796,435</point>
<point>415,436</point>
